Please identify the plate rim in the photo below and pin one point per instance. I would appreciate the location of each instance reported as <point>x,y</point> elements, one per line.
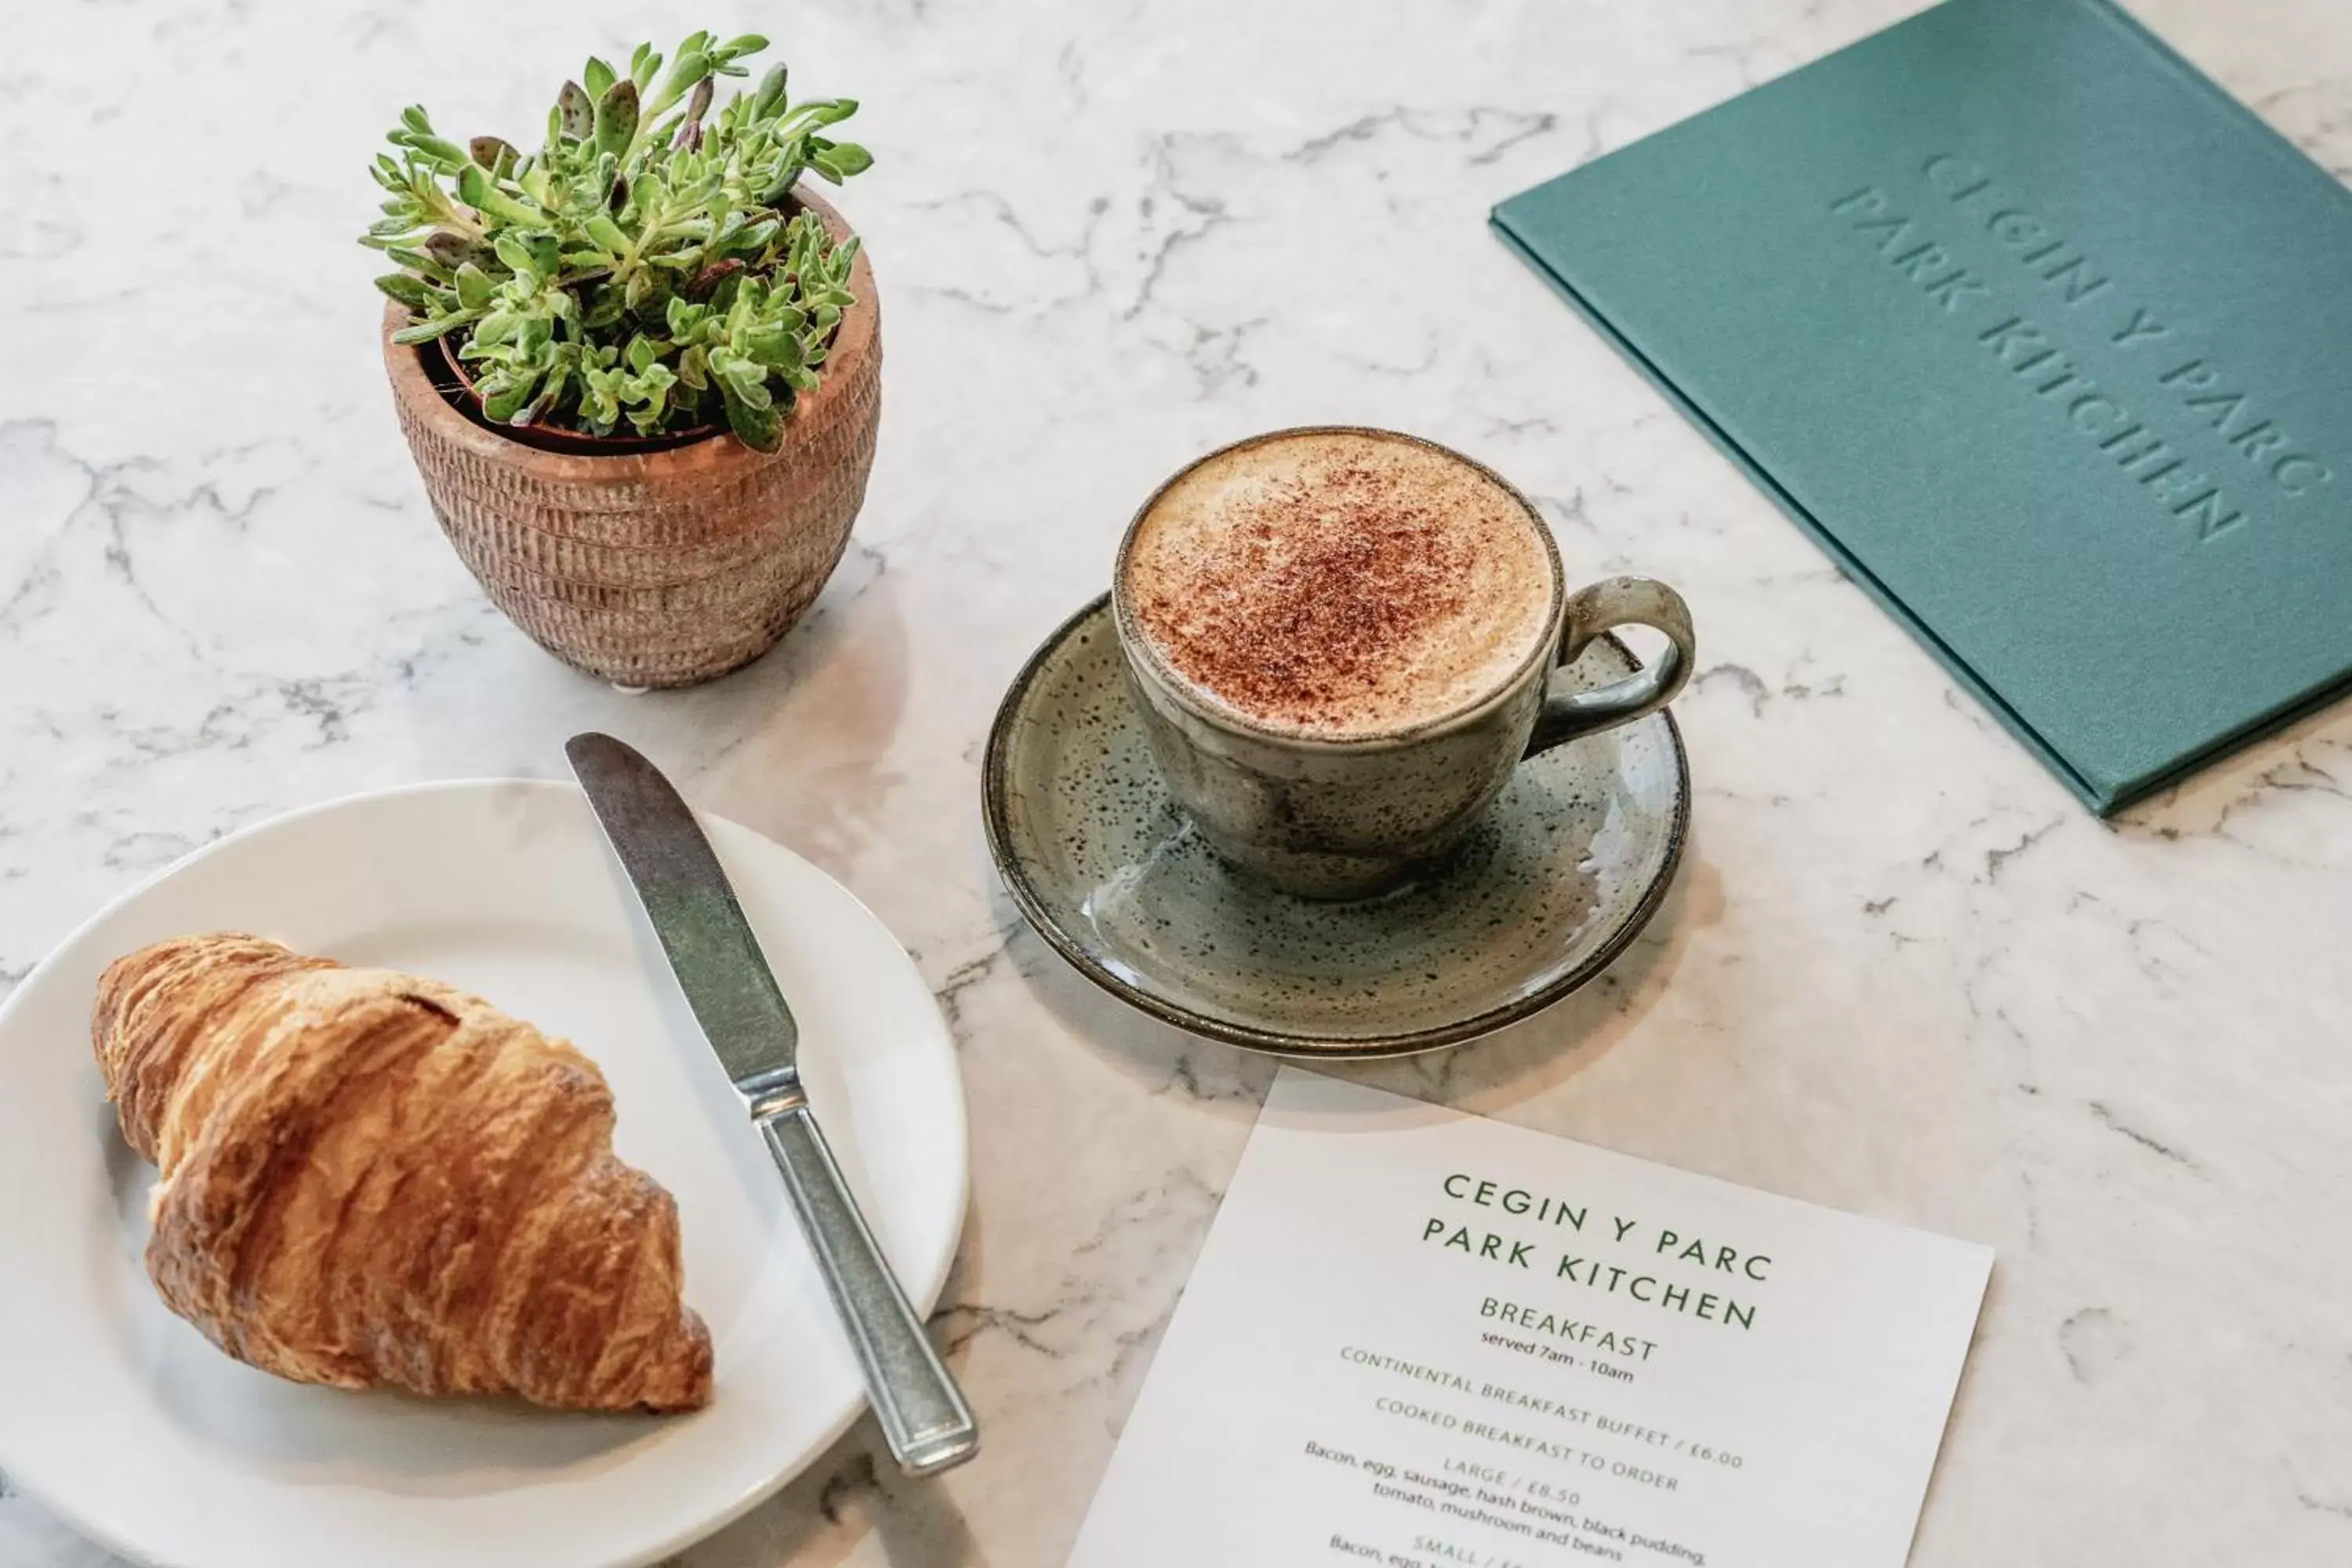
<point>995,786</point>
<point>103,1535</point>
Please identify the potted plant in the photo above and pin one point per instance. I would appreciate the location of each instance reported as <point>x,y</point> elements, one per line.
<point>639,367</point>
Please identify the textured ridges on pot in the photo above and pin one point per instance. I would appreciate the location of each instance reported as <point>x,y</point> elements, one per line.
<point>665,568</point>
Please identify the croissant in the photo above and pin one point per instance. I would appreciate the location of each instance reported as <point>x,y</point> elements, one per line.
<point>374,1179</point>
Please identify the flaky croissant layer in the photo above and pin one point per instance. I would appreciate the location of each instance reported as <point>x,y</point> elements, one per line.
<point>369,1178</point>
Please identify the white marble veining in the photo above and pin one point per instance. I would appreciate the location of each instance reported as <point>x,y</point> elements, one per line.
<point>1901,973</point>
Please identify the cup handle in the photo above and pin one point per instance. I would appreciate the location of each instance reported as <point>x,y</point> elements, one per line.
<point>1615,601</point>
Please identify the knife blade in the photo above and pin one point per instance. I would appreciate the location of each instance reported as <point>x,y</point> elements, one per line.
<point>734,998</point>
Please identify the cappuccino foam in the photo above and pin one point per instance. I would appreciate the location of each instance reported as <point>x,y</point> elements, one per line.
<point>1340,583</point>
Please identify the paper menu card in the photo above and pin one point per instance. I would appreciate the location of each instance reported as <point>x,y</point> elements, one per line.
<point>1417,1337</point>
<point>2042,336</point>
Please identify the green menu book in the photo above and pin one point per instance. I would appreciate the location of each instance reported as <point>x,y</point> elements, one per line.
<point>2040,333</point>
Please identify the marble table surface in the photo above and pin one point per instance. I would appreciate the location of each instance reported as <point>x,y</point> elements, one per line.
<point>1901,973</point>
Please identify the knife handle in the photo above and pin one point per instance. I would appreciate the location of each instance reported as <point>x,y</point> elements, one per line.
<point>925,1417</point>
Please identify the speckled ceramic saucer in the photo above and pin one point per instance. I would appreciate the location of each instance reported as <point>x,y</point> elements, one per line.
<point>1568,866</point>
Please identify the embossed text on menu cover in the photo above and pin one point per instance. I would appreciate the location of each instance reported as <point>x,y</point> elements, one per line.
<point>2038,331</point>
<point>1418,1338</point>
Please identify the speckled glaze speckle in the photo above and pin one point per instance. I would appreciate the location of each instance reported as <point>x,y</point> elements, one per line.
<point>1561,873</point>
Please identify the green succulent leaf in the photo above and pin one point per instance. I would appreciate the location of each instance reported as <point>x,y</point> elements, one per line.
<point>650,395</point>
<point>550,393</point>
<point>691,69</point>
<point>494,331</point>
<point>515,255</point>
<point>616,117</point>
<point>419,262</point>
<point>441,155</point>
<point>409,289</point>
<point>847,158</point>
<point>758,426</point>
<point>601,228</point>
<point>600,399</point>
<point>507,209</point>
<point>597,76</point>
<point>425,332</point>
<point>505,396</point>
<point>474,286</point>
<point>742,378</point>
<point>575,108</point>
<point>769,97</point>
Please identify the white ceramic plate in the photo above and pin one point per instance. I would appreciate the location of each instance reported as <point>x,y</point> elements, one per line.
<point>135,1429</point>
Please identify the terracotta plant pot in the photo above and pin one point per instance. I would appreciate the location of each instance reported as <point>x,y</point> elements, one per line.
<point>656,568</point>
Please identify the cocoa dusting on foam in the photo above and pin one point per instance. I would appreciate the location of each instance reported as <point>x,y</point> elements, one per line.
<point>1340,583</point>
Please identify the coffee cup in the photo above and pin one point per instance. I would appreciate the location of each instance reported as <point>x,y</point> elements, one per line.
<point>1342,641</point>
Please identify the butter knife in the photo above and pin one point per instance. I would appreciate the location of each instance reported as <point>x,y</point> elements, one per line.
<point>734,995</point>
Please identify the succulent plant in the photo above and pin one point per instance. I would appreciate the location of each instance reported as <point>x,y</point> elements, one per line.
<point>644,267</point>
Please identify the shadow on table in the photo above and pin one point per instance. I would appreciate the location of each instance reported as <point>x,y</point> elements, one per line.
<point>854,1491</point>
<point>1494,1072</point>
<point>2225,798</point>
<point>822,1518</point>
<point>796,744</point>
